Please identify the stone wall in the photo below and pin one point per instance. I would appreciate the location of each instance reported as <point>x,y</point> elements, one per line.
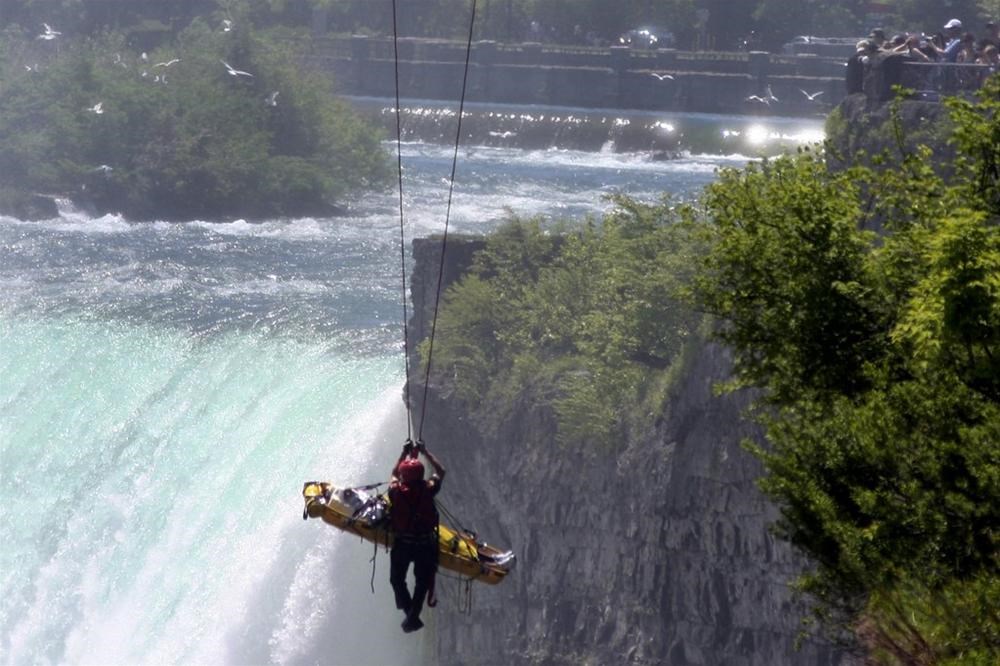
<point>615,77</point>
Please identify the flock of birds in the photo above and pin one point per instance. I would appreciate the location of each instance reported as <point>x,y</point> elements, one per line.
<point>227,26</point>
<point>767,99</point>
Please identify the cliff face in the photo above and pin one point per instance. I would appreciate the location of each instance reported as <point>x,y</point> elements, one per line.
<point>655,554</point>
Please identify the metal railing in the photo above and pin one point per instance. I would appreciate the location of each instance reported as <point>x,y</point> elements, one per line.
<point>934,79</point>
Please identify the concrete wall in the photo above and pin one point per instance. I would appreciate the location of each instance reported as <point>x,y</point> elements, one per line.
<point>615,77</point>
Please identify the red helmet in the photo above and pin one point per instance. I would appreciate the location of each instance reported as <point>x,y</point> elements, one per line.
<point>411,470</point>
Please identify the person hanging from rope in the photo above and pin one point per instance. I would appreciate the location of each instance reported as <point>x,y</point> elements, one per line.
<point>414,522</point>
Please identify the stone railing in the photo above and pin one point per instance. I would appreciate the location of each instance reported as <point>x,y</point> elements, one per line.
<point>612,77</point>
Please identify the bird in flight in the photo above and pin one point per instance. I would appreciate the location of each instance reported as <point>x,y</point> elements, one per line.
<point>272,99</point>
<point>235,72</point>
<point>49,32</point>
<point>167,63</point>
<point>770,96</point>
<point>97,108</point>
<point>811,96</point>
<point>227,25</point>
<point>758,98</point>
<point>661,77</point>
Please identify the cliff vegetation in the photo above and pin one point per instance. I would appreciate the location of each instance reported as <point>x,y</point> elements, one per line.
<point>586,321</point>
<point>876,358</point>
<point>176,134</point>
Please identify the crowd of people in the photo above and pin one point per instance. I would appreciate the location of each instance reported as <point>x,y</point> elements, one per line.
<point>953,44</point>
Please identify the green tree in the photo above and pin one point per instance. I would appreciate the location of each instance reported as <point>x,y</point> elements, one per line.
<point>879,357</point>
<point>128,132</point>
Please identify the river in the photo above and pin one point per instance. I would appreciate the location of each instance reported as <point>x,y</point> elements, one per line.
<point>166,388</point>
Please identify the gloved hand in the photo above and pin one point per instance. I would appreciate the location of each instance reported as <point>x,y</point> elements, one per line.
<point>408,447</point>
<point>421,447</point>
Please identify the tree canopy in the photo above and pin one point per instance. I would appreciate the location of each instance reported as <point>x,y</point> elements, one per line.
<point>175,133</point>
<point>879,357</point>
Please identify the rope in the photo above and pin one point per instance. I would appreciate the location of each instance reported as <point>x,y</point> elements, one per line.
<point>402,236</point>
<point>447,217</point>
<point>374,556</point>
<point>461,529</point>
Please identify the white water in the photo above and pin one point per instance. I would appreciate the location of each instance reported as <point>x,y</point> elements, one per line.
<point>165,390</point>
<point>150,506</point>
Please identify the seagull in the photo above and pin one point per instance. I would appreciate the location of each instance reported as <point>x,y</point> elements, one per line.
<point>661,77</point>
<point>811,97</point>
<point>503,135</point>
<point>97,108</point>
<point>758,98</point>
<point>770,96</point>
<point>144,57</point>
<point>167,63</point>
<point>104,168</point>
<point>227,25</point>
<point>235,72</point>
<point>49,33</point>
<point>272,99</point>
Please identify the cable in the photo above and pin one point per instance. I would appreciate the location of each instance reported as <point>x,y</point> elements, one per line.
<point>402,236</point>
<point>447,217</point>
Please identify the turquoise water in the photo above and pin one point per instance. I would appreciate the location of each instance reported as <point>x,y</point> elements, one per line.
<point>165,389</point>
<point>150,489</point>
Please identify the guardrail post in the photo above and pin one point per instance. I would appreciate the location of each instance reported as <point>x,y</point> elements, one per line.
<point>360,55</point>
<point>759,68</point>
<point>621,57</point>
<point>485,59</point>
<point>320,21</point>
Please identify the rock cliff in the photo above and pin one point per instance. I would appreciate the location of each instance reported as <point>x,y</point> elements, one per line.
<point>658,553</point>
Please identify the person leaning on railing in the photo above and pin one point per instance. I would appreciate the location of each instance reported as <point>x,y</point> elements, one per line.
<point>911,46</point>
<point>989,56</point>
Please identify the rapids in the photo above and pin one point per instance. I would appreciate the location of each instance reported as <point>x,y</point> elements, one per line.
<point>165,389</point>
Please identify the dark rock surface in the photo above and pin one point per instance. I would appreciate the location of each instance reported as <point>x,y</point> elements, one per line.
<point>658,553</point>
<point>24,206</point>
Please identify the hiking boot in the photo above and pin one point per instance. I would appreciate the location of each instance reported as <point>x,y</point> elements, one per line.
<point>411,624</point>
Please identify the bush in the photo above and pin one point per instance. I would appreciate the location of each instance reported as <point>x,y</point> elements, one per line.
<point>123,133</point>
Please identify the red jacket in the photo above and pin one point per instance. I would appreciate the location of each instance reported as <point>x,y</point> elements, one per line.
<point>413,512</point>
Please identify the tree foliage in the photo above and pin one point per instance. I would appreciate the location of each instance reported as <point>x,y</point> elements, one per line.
<point>582,321</point>
<point>185,139</point>
<point>879,356</point>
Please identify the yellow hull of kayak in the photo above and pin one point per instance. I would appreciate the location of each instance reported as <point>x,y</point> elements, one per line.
<point>458,551</point>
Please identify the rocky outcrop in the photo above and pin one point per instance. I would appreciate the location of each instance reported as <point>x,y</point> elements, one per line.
<point>25,206</point>
<point>657,553</point>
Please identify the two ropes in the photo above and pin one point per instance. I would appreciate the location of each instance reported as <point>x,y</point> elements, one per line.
<point>444,238</point>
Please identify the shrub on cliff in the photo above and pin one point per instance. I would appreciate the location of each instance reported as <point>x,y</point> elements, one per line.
<point>584,321</point>
<point>175,135</point>
<point>879,356</point>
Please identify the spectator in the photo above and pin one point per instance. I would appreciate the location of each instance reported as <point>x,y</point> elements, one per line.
<point>877,38</point>
<point>967,49</point>
<point>989,56</point>
<point>911,46</point>
<point>993,34</point>
<point>953,33</point>
<point>856,66</point>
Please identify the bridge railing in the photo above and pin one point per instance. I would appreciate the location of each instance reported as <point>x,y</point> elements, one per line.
<point>935,79</point>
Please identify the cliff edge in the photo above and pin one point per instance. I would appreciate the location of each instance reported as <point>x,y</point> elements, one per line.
<point>657,553</point>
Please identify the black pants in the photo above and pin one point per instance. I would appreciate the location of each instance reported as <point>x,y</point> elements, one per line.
<point>423,554</point>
